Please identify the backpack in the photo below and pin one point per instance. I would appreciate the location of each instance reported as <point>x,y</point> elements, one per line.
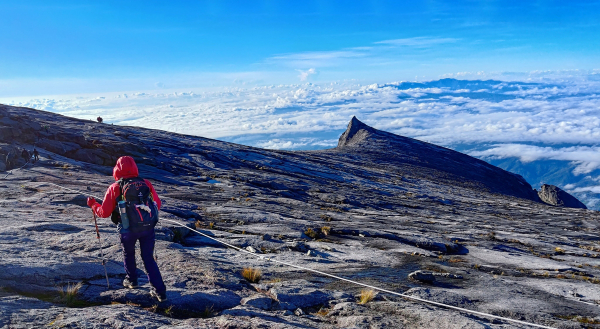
<point>140,207</point>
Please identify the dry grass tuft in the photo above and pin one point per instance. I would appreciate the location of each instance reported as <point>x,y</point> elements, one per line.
<point>366,295</point>
<point>326,230</point>
<point>68,293</point>
<point>311,233</point>
<point>327,218</point>
<point>323,312</point>
<point>252,275</point>
<point>559,250</point>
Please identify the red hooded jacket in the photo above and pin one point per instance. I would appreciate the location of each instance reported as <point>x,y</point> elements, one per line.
<point>125,168</point>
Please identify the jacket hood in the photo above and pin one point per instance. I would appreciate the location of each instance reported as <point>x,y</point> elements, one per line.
<point>125,168</point>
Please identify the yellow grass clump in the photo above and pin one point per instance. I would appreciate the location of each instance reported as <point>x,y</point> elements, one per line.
<point>366,295</point>
<point>68,293</point>
<point>252,275</point>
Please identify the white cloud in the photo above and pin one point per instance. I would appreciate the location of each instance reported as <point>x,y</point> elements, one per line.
<point>305,74</point>
<point>509,115</point>
<point>586,158</point>
<point>593,189</point>
<point>318,58</point>
<point>376,52</point>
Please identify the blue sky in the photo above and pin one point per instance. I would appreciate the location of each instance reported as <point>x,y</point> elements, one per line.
<point>58,47</point>
<point>291,74</point>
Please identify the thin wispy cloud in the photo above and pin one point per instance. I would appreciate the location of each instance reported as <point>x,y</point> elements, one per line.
<point>373,52</point>
<point>417,42</point>
<point>528,121</point>
<point>317,58</point>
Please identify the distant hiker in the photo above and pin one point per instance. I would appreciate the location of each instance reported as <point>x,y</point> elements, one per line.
<point>36,155</point>
<point>136,204</point>
<point>99,119</point>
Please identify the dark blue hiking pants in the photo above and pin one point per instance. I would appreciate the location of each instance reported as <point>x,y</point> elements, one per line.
<point>146,239</point>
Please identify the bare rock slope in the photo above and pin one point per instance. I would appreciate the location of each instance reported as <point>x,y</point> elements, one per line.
<point>376,209</point>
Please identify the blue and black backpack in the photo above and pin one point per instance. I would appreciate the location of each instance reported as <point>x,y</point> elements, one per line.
<point>141,209</point>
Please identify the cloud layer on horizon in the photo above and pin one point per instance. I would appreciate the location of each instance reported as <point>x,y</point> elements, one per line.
<point>446,112</point>
<point>551,119</point>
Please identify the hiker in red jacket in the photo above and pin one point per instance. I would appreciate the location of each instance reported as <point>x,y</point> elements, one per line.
<point>134,204</point>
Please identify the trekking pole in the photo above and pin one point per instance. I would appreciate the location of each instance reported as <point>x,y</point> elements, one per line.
<point>101,251</point>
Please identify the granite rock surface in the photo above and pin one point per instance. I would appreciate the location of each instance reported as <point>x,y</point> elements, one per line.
<point>375,209</point>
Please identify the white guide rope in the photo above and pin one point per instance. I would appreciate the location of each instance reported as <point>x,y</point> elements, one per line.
<point>335,276</point>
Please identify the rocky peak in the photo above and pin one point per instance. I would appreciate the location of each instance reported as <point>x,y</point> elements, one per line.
<point>356,132</point>
<point>553,195</point>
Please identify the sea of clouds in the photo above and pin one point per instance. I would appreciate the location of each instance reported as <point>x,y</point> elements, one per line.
<point>531,120</point>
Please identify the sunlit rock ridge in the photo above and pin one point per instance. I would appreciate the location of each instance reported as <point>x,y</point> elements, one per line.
<point>376,209</point>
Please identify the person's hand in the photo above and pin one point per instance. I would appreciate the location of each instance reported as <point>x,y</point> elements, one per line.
<point>91,202</point>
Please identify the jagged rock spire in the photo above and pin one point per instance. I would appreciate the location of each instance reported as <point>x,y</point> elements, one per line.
<point>553,195</point>
<point>355,133</point>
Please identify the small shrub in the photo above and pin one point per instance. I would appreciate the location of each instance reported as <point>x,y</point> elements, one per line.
<point>326,230</point>
<point>252,275</point>
<point>169,311</point>
<point>207,313</point>
<point>323,312</point>
<point>68,294</point>
<point>211,225</point>
<point>311,233</point>
<point>366,295</point>
<point>327,218</point>
<point>559,250</point>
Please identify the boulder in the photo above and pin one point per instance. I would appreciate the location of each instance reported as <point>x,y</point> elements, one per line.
<point>553,195</point>
<point>299,293</point>
<point>423,276</point>
<point>10,157</point>
<point>259,301</point>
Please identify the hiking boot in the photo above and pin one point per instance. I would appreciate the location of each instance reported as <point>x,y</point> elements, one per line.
<point>161,296</point>
<point>129,284</point>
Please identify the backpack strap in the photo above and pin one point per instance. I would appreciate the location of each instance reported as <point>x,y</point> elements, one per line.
<point>121,184</point>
